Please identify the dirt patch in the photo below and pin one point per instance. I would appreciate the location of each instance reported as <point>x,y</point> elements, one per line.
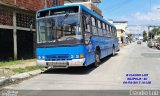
<point>6,72</point>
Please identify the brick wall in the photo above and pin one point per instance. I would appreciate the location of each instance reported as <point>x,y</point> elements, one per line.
<point>7,1</point>
<point>93,7</point>
<point>32,4</point>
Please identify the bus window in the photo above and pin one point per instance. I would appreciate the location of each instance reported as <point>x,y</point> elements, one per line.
<point>43,14</point>
<point>42,33</point>
<point>94,28</point>
<point>86,24</point>
<point>109,31</point>
<point>87,28</point>
<point>100,28</point>
<point>104,26</point>
<point>113,32</point>
<point>99,24</point>
<point>104,30</point>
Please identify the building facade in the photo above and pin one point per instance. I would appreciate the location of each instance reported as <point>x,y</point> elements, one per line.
<point>121,30</point>
<point>17,27</point>
<point>88,3</point>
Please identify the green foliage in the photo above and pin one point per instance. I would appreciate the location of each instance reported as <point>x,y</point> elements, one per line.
<point>154,32</point>
<point>8,63</point>
<point>26,69</point>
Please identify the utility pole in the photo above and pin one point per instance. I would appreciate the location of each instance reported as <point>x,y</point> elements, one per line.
<point>45,3</point>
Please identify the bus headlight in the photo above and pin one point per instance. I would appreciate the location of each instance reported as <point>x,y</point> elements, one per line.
<point>39,57</point>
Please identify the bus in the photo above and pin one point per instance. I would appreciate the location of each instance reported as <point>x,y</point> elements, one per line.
<point>73,36</point>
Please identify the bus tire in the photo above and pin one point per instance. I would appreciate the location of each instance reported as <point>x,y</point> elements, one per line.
<point>97,59</point>
<point>113,51</point>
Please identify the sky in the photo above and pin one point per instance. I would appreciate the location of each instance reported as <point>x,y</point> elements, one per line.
<point>136,12</point>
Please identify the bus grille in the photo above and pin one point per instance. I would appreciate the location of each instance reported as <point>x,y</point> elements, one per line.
<point>57,57</point>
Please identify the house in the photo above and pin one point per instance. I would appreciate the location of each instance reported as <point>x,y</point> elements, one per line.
<point>121,27</point>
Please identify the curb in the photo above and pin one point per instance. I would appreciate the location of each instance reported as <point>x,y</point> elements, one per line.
<point>4,81</point>
<point>18,77</point>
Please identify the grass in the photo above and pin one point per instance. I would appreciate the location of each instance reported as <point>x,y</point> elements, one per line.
<point>7,63</point>
<point>26,69</point>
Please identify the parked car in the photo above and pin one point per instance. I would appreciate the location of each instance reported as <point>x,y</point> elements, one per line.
<point>158,46</point>
<point>150,44</point>
<point>139,42</point>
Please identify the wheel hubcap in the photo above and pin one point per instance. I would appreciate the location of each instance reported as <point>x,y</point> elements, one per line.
<point>97,58</point>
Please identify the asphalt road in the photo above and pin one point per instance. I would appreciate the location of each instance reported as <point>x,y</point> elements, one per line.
<point>110,75</point>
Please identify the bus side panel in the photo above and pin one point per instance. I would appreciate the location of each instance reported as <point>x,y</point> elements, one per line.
<point>90,58</point>
<point>105,45</point>
<point>116,44</point>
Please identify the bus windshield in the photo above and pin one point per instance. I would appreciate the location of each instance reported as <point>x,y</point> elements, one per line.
<point>59,28</point>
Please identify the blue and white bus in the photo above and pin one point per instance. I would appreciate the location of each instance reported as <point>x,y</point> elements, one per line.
<point>73,36</point>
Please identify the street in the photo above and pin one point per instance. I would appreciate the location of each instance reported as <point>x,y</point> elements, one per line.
<point>110,75</point>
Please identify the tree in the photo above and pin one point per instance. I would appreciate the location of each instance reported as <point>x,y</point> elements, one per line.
<point>144,36</point>
<point>154,32</point>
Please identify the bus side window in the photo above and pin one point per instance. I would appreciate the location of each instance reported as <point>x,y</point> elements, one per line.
<point>113,32</point>
<point>87,27</point>
<point>86,23</point>
<point>108,32</point>
<point>94,28</point>
<point>104,30</point>
<point>99,28</point>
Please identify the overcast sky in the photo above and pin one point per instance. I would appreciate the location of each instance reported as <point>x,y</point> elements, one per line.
<point>136,12</point>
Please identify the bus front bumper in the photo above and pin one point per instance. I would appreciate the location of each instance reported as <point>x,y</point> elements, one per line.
<point>61,64</point>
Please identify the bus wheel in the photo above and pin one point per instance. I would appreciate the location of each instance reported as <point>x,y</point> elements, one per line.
<point>97,59</point>
<point>113,51</point>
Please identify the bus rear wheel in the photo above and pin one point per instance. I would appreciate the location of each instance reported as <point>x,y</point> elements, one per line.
<point>113,51</point>
<point>97,59</point>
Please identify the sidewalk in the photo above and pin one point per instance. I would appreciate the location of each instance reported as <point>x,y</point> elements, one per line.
<point>14,71</point>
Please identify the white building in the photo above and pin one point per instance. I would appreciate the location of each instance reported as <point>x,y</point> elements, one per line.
<point>121,27</point>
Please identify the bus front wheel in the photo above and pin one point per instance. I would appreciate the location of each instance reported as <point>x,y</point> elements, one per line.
<point>97,59</point>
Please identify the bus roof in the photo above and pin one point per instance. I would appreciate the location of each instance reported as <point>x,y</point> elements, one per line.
<point>82,7</point>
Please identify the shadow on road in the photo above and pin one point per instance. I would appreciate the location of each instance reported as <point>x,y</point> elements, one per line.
<point>71,71</point>
<point>76,70</point>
